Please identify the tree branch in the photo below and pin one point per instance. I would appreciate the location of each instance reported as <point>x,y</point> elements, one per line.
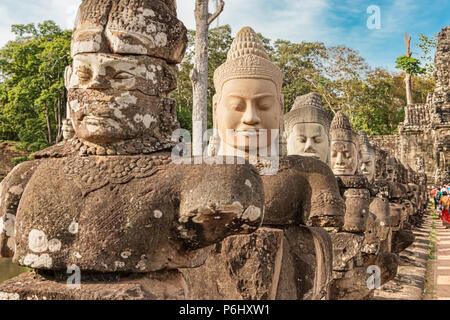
<point>214,16</point>
<point>408,45</point>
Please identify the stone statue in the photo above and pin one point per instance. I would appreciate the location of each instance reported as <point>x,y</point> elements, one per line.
<point>345,153</point>
<point>67,129</point>
<point>368,159</point>
<point>364,241</point>
<point>248,99</point>
<point>290,257</point>
<point>307,128</point>
<point>110,202</point>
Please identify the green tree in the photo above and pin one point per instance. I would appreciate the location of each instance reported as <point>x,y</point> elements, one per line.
<point>427,45</point>
<point>32,90</point>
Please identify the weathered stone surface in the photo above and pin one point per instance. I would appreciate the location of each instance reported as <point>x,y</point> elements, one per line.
<point>11,190</point>
<point>108,207</point>
<point>137,27</point>
<point>164,285</point>
<point>150,76</point>
<point>396,215</point>
<point>352,285</point>
<point>268,264</point>
<point>401,240</point>
<point>355,182</point>
<point>357,209</point>
<point>315,198</point>
<point>346,250</point>
<point>240,268</point>
<point>388,263</point>
<point>380,207</point>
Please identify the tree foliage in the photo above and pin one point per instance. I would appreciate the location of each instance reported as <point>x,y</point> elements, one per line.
<point>32,93</point>
<point>410,65</point>
<point>33,97</point>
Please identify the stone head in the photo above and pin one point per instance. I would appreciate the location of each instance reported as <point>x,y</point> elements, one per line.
<point>368,157</point>
<point>345,151</point>
<point>122,71</point>
<point>248,102</point>
<point>307,128</point>
<point>67,129</point>
<point>391,168</point>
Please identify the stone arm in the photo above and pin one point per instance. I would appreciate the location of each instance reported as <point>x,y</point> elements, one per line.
<point>218,201</point>
<point>11,190</point>
<point>307,190</point>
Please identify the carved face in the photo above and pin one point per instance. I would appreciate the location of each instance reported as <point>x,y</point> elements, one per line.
<point>368,165</point>
<point>344,158</point>
<point>308,140</point>
<point>246,106</point>
<point>112,98</point>
<point>67,129</point>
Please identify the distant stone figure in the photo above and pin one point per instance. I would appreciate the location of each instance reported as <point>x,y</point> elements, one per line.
<point>67,129</point>
<point>345,153</point>
<point>368,159</point>
<point>125,215</point>
<point>307,128</point>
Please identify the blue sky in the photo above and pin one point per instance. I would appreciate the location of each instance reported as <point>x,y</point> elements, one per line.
<point>333,22</point>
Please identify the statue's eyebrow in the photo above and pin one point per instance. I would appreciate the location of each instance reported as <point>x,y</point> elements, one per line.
<point>258,96</point>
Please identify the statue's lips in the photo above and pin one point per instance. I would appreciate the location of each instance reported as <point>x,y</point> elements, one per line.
<point>246,133</point>
<point>311,155</point>
<point>340,169</point>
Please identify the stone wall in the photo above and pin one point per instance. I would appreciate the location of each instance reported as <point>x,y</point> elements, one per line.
<point>423,142</point>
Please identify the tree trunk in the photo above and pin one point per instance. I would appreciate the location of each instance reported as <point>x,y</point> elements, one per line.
<point>49,125</point>
<point>409,99</point>
<point>199,74</point>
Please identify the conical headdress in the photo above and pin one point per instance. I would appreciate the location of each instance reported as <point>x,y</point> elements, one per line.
<point>364,143</point>
<point>307,109</point>
<point>341,130</point>
<point>247,59</point>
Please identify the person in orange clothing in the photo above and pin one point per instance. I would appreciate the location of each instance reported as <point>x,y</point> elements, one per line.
<point>445,203</point>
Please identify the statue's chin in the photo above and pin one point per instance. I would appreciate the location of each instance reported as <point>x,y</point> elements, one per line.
<point>101,137</point>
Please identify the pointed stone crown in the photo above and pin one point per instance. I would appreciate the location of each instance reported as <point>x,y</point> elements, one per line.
<point>364,143</point>
<point>307,109</point>
<point>341,130</point>
<point>247,59</point>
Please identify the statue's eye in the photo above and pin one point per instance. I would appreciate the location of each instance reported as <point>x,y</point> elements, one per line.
<point>84,73</point>
<point>317,140</point>
<point>123,75</point>
<point>302,139</point>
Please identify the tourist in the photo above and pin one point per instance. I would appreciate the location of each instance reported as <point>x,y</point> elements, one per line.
<point>433,193</point>
<point>437,196</point>
<point>445,203</point>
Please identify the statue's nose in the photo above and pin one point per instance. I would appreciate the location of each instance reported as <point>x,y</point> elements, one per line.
<point>309,146</point>
<point>250,116</point>
<point>340,159</point>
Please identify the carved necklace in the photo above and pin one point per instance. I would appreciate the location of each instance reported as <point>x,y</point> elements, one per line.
<point>129,147</point>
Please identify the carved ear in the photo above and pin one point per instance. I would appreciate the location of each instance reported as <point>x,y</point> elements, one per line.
<point>215,102</point>
<point>67,75</point>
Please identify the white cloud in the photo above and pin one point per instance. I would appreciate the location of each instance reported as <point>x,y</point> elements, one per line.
<point>63,12</point>
<point>286,19</point>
